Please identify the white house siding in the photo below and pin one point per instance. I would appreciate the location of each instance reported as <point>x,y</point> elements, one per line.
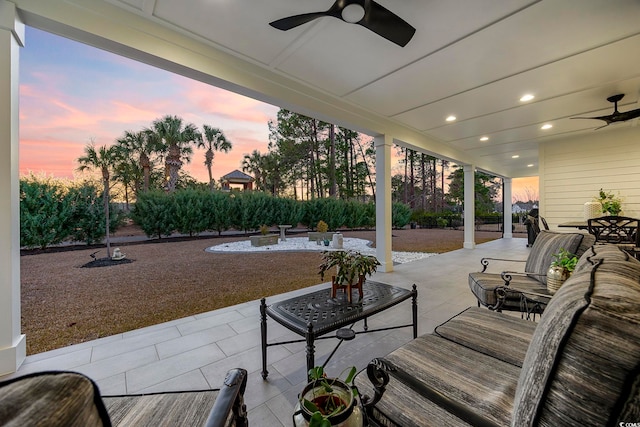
<point>573,170</point>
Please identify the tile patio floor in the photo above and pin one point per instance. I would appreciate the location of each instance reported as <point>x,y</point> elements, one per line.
<point>196,352</point>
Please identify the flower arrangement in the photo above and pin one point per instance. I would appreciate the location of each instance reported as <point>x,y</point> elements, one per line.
<point>611,203</point>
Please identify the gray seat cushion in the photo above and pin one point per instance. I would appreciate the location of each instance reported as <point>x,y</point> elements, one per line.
<point>498,335</point>
<point>470,378</point>
<point>483,286</point>
<point>51,398</point>
<point>188,408</point>
<point>546,245</point>
<point>583,364</point>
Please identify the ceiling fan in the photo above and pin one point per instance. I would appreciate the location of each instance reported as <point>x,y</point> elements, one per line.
<point>367,13</point>
<point>616,116</point>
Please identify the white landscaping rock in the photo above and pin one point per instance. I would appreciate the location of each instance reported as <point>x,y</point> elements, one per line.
<point>303,244</point>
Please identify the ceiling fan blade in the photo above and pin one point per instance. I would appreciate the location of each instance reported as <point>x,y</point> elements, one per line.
<point>604,118</point>
<point>616,116</point>
<point>627,115</point>
<point>290,22</point>
<point>386,24</point>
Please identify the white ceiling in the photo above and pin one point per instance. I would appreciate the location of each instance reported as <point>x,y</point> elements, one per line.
<point>470,58</point>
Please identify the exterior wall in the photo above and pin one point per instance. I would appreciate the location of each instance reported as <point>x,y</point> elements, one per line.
<point>573,170</point>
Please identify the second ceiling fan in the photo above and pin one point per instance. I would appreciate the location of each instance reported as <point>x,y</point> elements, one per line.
<point>616,116</point>
<point>366,13</point>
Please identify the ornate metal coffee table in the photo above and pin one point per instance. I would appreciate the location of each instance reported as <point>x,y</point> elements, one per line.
<point>315,314</point>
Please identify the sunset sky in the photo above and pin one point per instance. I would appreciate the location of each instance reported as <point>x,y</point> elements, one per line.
<point>72,94</point>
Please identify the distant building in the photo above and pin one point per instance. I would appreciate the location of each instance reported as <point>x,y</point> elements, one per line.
<point>523,207</point>
<point>237,178</point>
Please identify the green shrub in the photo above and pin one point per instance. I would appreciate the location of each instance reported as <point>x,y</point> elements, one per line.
<point>218,211</point>
<point>88,214</point>
<point>442,222</point>
<point>45,213</point>
<point>190,211</point>
<point>287,211</point>
<point>154,213</point>
<point>359,215</point>
<point>400,215</point>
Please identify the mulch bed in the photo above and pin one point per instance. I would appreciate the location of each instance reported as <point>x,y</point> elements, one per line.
<point>106,262</point>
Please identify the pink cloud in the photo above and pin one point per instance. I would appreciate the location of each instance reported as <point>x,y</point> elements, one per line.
<point>219,102</point>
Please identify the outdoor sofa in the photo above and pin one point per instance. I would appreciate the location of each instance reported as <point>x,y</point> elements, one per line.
<point>68,399</point>
<point>578,366</point>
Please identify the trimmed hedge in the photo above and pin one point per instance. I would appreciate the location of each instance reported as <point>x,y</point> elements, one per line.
<point>194,211</point>
<point>51,213</point>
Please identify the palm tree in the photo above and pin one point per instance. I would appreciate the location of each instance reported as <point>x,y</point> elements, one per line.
<point>140,144</point>
<point>254,164</point>
<point>173,139</point>
<point>102,159</point>
<point>214,140</point>
<point>126,171</point>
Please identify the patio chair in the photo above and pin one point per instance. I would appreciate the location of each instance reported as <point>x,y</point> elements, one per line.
<point>64,398</point>
<point>532,222</point>
<point>621,231</point>
<point>503,291</point>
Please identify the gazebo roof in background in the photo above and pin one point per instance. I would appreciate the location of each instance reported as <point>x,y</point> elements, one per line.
<point>237,177</point>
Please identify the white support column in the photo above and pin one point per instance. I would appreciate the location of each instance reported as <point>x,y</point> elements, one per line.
<point>12,342</point>
<point>469,207</point>
<point>383,202</point>
<point>506,202</point>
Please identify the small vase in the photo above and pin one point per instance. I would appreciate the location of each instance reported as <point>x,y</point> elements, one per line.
<point>592,210</point>
<point>349,417</point>
<point>555,278</point>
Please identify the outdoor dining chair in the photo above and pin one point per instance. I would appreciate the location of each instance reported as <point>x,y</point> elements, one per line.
<point>618,230</point>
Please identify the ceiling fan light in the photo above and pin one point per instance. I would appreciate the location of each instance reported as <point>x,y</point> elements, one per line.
<point>484,138</point>
<point>451,118</point>
<point>546,126</point>
<point>353,13</point>
<point>526,97</point>
<point>515,156</point>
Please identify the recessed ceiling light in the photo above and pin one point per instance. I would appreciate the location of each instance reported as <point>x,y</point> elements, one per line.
<point>530,165</point>
<point>451,118</point>
<point>526,97</point>
<point>515,156</point>
<point>484,138</point>
<point>546,126</point>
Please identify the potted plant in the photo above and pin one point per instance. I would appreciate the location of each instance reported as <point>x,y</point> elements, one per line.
<point>561,268</point>
<point>320,234</point>
<point>352,268</point>
<point>611,204</point>
<point>264,238</point>
<point>326,402</point>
